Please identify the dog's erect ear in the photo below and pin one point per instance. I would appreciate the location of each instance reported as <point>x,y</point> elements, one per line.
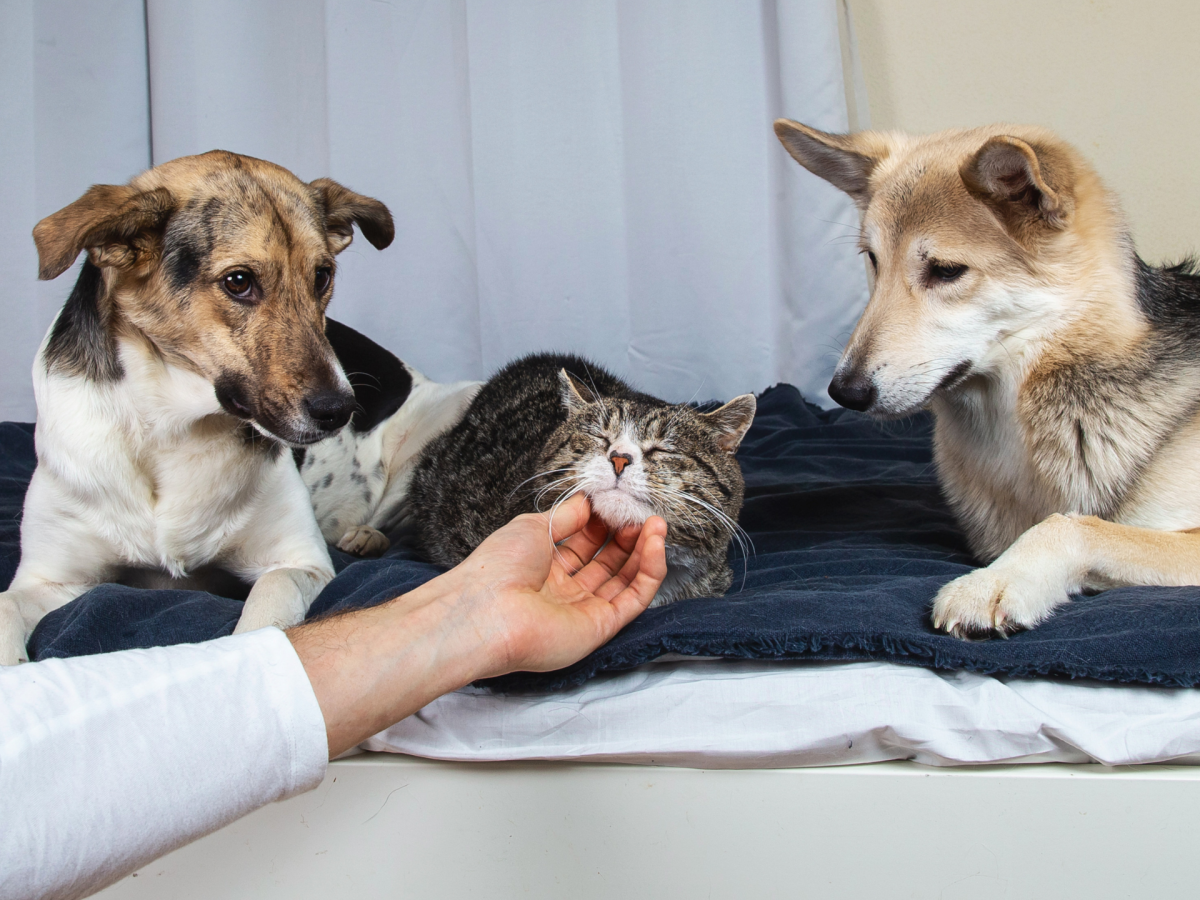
<point>573,391</point>
<point>344,209</point>
<point>844,160</point>
<point>1020,182</point>
<point>118,226</point>
<point>733,421</point>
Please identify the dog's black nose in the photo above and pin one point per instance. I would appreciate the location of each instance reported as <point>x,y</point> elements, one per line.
<point>330,410</point>
<point>853,391</point>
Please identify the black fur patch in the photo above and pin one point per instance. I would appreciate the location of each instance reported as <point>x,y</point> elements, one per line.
<point>1170,298</point>
<point>80,343</point>
<point>232,395</point>
<point>256,440</point>
<point>381,382</point>
<point>182,265</point>
<point>954,376</point>
<point>188,242</point>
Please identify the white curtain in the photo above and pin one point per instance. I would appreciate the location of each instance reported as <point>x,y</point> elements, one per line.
<point>73,112</point>
<point>593,176</point>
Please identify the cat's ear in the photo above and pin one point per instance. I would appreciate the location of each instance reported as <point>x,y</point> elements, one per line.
<point>574,392</point>
<point>732,421</point>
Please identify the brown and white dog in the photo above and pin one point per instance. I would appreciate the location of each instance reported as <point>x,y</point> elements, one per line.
<point>191,349</point>
<point>1063,372</point>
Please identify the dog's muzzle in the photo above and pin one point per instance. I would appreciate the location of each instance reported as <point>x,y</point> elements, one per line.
<point>318,415</point>
<point>329,410</point>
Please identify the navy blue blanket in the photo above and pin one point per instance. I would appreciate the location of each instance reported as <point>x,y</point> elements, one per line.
<point>851,542</point>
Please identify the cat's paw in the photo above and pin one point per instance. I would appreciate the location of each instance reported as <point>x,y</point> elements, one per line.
<point>364,541</point>
<point>995,602</point>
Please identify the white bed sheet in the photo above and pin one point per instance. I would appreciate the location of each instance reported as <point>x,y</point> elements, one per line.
<point>743,714</point>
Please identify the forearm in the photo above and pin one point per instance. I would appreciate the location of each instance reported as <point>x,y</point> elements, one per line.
<point>373,667</point>
<point>538,594</point>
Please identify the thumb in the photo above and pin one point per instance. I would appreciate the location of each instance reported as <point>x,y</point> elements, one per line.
<point>570,517</point>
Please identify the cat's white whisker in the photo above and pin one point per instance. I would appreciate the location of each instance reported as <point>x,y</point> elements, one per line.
<point>550,525</point>
<point>744,542</point>
<point>537,499</point>
<point>540,475</point>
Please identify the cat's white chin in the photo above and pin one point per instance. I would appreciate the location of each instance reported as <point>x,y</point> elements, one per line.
<point>618,509</point>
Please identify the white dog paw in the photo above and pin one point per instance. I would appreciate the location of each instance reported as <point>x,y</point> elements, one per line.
<point>12,638</point>
<point>256,617</point>
<point>12,654</point>
<point>364,541</point>
<point>252,620</point>
<point>993,602</point>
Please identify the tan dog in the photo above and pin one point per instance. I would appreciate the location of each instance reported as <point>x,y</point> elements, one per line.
<point>191,350</point>
<point>1063,373</point>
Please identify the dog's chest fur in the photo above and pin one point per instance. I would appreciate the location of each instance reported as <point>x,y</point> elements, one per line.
<point>983,463</point>
<point>1083,430</point>
<point>151,463</point>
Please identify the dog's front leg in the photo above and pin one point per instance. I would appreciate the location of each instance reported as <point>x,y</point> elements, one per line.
<point>20,611</point>
<point>1056,558</point>
<point>281,597</point>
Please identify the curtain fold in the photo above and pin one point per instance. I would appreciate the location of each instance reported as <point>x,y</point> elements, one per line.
<point>597,176</point>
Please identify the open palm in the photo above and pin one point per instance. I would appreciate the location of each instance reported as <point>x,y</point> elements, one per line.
<point>558,587</point>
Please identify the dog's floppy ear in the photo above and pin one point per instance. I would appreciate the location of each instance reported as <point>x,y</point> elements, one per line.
<point>1020,182</point>
<point>844,160</point>
<point>733,420</point>
<point>116,224</point>
<point>344,209</point>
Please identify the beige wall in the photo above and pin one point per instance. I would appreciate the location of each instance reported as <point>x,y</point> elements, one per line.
<point>1118,78</point>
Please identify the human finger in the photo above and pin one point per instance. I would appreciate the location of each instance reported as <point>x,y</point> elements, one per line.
<point>580,548</point>
<point>591,621</point>
<point>633,599</point>
<point>654,526</point>
<point>614,568</point>
<point>568,517</point>
<point>618,554</point>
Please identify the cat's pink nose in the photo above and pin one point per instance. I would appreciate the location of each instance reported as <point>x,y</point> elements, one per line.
<point>620,461</point>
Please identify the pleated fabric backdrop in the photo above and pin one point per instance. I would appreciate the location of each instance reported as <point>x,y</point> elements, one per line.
<point>594,176</point>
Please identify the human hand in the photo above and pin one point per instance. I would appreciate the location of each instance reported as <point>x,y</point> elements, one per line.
<point>518,602</point>
<point>546,590</point>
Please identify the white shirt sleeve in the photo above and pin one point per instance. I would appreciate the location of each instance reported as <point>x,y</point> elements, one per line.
<point>109,761</point>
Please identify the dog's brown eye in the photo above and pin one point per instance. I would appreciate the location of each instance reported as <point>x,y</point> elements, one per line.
<point>874,261</point>
<point>946,272</point>
<point>324,275</point>
<point>239,285</point>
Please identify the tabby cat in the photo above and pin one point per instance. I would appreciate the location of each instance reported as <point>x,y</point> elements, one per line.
<point>548,426</point>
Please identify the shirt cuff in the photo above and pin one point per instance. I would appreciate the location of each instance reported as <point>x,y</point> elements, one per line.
<point>295,701</point>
